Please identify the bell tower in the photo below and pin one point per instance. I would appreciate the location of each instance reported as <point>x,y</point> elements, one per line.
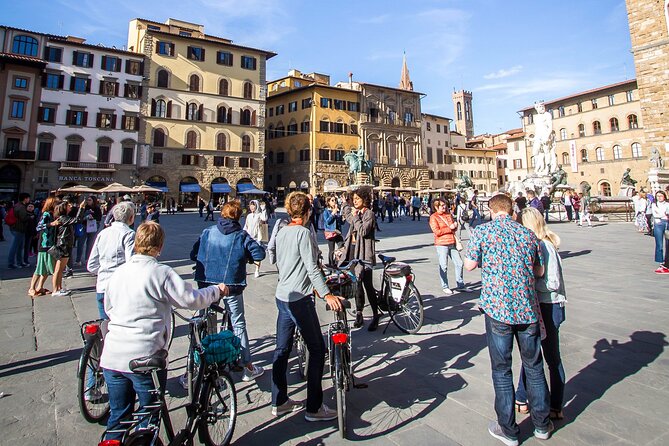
<point>462,113</point>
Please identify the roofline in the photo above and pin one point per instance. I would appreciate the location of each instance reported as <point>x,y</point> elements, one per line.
<point>97,47</point>
<point>305,87</point>
<point>437,116</point>
<point>33,32</point>
<point>392,88</point>
<point>268,54</point>
<point>583,93</point>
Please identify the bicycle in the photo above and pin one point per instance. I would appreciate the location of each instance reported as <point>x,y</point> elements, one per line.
<point>399,296</point>
<point>91,387</point>
<point>211,408</point>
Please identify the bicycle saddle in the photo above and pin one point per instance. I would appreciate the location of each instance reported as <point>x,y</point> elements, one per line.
<point>387,259</point>
<point>157,361</point>
<point>344,303</point>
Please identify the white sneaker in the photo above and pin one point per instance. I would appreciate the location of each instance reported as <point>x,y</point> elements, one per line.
<point>323,414</point>
<point>448,291</point>
<point>251,374</point>
<point>61,293</point>
<point>287,407</point>
<point>256,274</point>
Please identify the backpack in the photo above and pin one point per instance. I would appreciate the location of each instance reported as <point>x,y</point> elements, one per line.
<point>10,218</point>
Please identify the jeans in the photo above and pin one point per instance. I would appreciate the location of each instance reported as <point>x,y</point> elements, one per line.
<point>302,314</point>
<point>368,286</point>
<point>122,389</point>
<point>569,209</point>
<point>553,315</point>
<point>16,250</point>
<point>658,232</point>
<point>443,252</point>
<point>100,297</point>
<point>415,212</point>
<point>87,239</point>
<point>546,214</point>
<point>235,305</point>
<point>389,210</point>
<point>500,345</point>
<point>337,241</point>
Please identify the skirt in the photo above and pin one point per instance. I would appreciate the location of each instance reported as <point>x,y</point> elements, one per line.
<point>45,264</point>
<point>641,222</point>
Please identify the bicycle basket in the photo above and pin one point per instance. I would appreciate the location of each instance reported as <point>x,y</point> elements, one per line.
<point>221,348</point>
<point>343,284</point>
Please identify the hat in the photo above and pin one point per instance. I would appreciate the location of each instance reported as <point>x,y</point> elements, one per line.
<point>127,197</point>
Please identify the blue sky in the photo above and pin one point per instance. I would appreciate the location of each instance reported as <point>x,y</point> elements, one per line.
<point>508,53</point>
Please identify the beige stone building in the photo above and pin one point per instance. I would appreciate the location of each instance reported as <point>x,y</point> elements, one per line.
<point>204,110</point>
<point>599,133</point>
<point>437,146</point>
<point>516,158</point>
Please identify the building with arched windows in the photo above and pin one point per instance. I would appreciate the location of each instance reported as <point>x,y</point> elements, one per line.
<point>204,109</point>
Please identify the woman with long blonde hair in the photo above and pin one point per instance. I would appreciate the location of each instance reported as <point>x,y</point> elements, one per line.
<point>552,298</point>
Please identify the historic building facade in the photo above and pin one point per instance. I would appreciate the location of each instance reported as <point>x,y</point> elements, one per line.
<point>203,109</point>
<point>437,148</point>
<point>599,133</point>
<point>310,127</point>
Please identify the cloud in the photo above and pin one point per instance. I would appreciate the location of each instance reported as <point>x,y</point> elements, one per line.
<point>499,74</point>
<point>550,86</point>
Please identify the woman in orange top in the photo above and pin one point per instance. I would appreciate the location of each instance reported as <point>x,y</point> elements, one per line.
<point>444,226</point>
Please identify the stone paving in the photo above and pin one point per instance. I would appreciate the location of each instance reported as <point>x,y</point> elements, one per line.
<point>433,388</point>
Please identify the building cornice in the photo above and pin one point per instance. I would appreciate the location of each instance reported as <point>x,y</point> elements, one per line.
<point>210,40</point>
<point>583,93</point>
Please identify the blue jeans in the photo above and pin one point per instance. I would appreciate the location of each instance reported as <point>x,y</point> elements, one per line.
<point>500,345</point>
<point>553,315</point>
<point>658,232</point>
<point>87,239</point>
<point>123,387</point>
<point>235,305</point>
<point>100,297</point>
<point>443,252</point>
<point>16,250</point>
<point>302,314</point>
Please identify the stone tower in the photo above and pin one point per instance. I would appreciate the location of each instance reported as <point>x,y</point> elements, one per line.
<point>462,112</point>
<point>649,30</point>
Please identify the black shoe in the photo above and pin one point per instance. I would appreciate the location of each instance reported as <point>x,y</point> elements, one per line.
<point>374,324</point>
<point>359,321</point>
<point>68,273</point>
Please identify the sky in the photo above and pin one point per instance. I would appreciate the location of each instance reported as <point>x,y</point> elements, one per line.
<point>509,54</point>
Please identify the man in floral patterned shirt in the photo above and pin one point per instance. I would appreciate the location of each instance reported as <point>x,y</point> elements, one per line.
<point>510,259</point>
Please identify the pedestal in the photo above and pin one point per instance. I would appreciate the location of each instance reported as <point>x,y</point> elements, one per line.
<point>658,179</point>
<point>626,191</point>
<point>362,178</point>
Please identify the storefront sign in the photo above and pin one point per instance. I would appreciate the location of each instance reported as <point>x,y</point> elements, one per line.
<point>86,178</point>
<point>572,156</point>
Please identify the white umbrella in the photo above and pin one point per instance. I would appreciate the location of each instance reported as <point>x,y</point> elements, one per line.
<point>116,187</point>
<point>145,188</point>
<point>253,191</point>
<point>78,189</point>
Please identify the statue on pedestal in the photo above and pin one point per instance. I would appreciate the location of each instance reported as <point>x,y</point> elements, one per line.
<point>655,159</point>
<point>627,179</point>
<point>465,182</point>
<point>559,177</point>
<point>543,145</point>
<point>356,163</point>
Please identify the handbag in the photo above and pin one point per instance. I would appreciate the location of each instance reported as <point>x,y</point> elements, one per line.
<point>329,235</point>
<point>56,252</point>
<point>91,226</point>
<point>264,232</point>
<point>339,255</point>
<point>458,243</point>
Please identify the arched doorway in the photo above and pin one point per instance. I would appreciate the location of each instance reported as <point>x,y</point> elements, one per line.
<point>189,189</point>
<point>395,182</point>
<point>220,190</point>
<point>10,181</point>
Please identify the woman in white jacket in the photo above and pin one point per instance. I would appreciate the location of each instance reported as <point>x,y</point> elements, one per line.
<point>255,218</point>
<point>138,300</point>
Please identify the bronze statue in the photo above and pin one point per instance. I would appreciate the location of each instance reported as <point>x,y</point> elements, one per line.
<point>627,179</point>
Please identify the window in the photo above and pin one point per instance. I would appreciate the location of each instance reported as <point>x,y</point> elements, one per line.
<point>326,102</point>
<point>132,91</point>
<point>280,157</point>
<point>614,124</point>
<point>636,150</point>
<point>80,84</point>
<point>224,58</point>
<point>306,103</point>
<point>133,67</point>
<point>77,117</point>
<point>581,130</point>
<point>161,109</point>
<point>565,158</point>
<point>243,162</point>
<point>157,158</point>
<point>517,164</point>
<point>617,152</point>
<point>305,127</point>
<point>221,142</point>
<point>21,83</point>
<point>563,134</point>
<point>292,106</point>
<point>630,95</point>
<point>440,156</point>
<point>127,155</point>
<point>195,53</point>
<point>192,112</point>
<point>110,63</point>
<point>324,154</point>
<point>190,160</point>
<point>606,189</point>
<point>130,122</point>
<point>584,156</point>
<point>219,161</point>
<point>163,79</point>
<point>44,151</point>
<point>632,122</point>
<point>428,126</point>
<point>17,110</point>
<point>611,100</point>
<point>47,114</point>
<point>108,88</point>
<point>392,116</point>
<point>245,117</point>
<point>429,155</point>
<point>354,107</point>
<point>246,143</point>
<point>248,62</point>
<point>103,154</point>
<point>459,111</point>
<point>25,45</point>
<point>530,118</point>
<point>292,129</point>
<point>223,87</point>
<point>81,59</point>
<point>561,111</point>
<point>599,154</point>
<point>438,128</point>
<point>159,138</point>
<point>596,128</point>
<point>153,28</point>
<point>222,115</point>
<point>52,54</point>
<point>191,140</point>
<point>248,90</point>
<point>73,152</point>
<point>339,104</point>
<point>304,155</point>
<point>194,83</point>
<point>354,129</point>
<point>184,34</point>
<point>579,107</point>
<point>280,109</point>
<point>166,48</point>
<point>594,103</point>
<point>106,120</point>
<point>54,81</point>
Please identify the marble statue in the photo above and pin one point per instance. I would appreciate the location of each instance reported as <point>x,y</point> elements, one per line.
<point>655,159</point>
<point>543,145</point>
<point>465,182</point>
<point>627,180</point>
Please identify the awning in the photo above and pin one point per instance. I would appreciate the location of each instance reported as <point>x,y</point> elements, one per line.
<point>221,188</point>
<point>241,187</point>
<point>190,187</point>
<point>158,185</point>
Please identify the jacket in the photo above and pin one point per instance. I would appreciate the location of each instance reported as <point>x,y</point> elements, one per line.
<point>271,246</point>
<point>440,225</point>
<point>550,287</point>
<point>22,218</point>
<point>65,232</point>
<point>331,222</point>
<point>254,220</point>
<point>112,248</point>
<point>536,204</point>
<point>224,251</point>
<point>361,230</point>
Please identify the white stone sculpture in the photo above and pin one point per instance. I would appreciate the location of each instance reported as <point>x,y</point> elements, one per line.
<point>543,145</point>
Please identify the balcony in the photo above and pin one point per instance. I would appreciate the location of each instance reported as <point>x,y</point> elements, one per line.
<point>19,155</point>
<point>76,165</point>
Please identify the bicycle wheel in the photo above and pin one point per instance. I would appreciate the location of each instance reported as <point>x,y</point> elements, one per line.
<point>302,356</point>
<point>143,437</point>
<point>340,388</point>
<point>408,315</point>
<point>91,383</point>
<point>174,325</point>
<point>220,411</point>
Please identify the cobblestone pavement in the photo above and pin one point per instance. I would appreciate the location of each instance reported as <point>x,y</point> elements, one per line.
<point>429,388</point>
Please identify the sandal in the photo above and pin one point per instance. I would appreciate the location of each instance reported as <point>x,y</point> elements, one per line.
<point>44,292</point>
<point>32,293</point>
<point>522,407</point>
<point>556,414</point>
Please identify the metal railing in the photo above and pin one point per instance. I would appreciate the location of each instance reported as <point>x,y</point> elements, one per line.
<point>77,165</point>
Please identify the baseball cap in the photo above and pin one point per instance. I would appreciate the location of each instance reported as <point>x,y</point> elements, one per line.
<point>127,197</point>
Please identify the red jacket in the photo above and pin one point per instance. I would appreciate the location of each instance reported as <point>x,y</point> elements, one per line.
<point>440,225</point>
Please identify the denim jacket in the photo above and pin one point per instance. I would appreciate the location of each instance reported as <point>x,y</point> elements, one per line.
<point>331,222</point>
<point>224,251</point>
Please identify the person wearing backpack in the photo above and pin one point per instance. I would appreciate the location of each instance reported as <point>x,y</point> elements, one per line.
<point>17,219</point>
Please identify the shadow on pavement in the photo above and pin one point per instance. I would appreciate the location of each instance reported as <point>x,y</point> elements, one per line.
<point>567,254</point>
<point>39,362</point>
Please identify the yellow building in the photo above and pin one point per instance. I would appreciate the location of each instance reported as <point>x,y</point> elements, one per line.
<point>204,110</point>
<point>310,127</point>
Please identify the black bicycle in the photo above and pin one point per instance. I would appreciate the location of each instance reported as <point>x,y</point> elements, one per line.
<point>211,407</point>
<point>399,296</point>
<point>91,389</point>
